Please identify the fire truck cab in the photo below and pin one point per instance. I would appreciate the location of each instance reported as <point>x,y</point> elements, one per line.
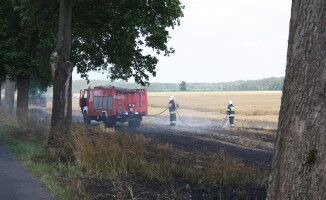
<point>111,104</point>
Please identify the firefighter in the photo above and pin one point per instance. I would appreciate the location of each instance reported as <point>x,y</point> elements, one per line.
<point>172,109</point>
<point>231,113</point>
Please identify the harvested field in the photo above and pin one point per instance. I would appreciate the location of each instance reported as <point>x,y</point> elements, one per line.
<point>250,106</point>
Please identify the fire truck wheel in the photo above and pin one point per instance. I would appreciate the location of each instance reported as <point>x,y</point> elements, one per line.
<point>86,118</point>
<point>134,123</point>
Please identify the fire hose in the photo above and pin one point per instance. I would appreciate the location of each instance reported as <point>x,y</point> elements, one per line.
<point>223,126</point>
<point>225,122</point>
<point>178,116</point>
<point>158,113</point>
<point>182,120</point>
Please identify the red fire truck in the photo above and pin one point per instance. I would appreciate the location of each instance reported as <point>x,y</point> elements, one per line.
<point>112,104</point>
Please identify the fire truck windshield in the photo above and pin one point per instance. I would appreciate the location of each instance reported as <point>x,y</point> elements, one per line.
<point>87,94</point>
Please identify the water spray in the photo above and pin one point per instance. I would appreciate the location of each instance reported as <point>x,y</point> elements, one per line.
<point>226,122</point>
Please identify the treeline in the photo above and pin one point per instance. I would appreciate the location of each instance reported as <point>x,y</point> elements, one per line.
<point>273,83</point>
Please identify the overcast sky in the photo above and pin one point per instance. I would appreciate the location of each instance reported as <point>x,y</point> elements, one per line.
<point>226,40</point>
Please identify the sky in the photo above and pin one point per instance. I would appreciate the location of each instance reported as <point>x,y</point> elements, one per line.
<point>225,40</point>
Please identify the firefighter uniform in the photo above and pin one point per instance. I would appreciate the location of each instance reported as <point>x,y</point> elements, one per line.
<point>231,113</point>
<point>172,110</point>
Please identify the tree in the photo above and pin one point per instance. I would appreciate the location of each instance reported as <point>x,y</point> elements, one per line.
<point>183,86</point>
<point>2,74</point>
<point>8,27</point>
<point>61,73</point>
<point>298,169</point>
<point>9,99</point>
<point>109,36</point>
<point>117,33</point>
<point>21,31</point>
<point>15,56</point>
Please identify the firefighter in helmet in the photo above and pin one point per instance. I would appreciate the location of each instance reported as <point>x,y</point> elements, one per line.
<point>231,113</point>
<point>172,110</point>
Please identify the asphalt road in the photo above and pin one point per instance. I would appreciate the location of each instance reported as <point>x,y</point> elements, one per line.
<point>16,182</point>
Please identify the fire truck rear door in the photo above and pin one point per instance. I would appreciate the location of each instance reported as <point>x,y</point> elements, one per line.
<point>120,103</point>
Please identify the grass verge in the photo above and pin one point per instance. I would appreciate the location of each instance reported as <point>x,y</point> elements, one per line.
<point>27,143</point>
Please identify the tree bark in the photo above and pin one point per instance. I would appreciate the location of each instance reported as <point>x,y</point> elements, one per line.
<point>299,163</point>
<point>23,82</point>
<point>9,99</point>
<point>0,93</point>
<point>61,73</point>
<point>22,98</point>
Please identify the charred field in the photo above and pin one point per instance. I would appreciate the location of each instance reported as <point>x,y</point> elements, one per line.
<point>247,144</point>
<point>242,159</point>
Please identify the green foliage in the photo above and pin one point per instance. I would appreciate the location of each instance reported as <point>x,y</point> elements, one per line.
<point>183,86</point>
<point>41,16</point>
<point>311,159</point>
<point>271,84</point>
<point>12,47</point>
<point>253,85</point>
<point>26,40</point>
<point>111,36</point>
<point>106,36</point>
<point>2,71</point>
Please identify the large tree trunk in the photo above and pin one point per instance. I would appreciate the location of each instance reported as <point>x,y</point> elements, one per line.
<point>22,99</point>
<point>9,100</point>
<point>0,93</point>
<point>23,82</point>
<point>69,106</point>
<point>299,163</point>
<point>62,72</point>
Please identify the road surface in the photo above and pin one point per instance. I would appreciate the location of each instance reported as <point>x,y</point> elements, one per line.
<point>16,182</point>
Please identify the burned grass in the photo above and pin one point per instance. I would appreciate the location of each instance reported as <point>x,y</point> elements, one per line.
<point>121,164</point>
<point>236,142</point>
<point>140,187</point>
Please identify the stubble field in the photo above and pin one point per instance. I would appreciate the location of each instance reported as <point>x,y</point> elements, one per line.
<point>251,106</point>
